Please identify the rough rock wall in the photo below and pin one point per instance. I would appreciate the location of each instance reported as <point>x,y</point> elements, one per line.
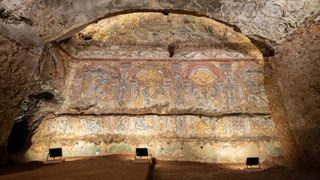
<point>295,69</point>
<point>17,65</point>
<point>280,118</point>
<point>39,21</point>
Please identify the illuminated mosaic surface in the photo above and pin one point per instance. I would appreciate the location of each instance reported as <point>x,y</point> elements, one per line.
<point>199,107</point>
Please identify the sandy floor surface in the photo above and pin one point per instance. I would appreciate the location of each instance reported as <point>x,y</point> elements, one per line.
<point>108,167</point>
<point>122,167</point>
<point>192,170</point>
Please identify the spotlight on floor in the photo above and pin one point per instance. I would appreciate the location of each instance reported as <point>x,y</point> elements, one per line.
<point>142,156</point>
<point>253,164</point>
<point>53,154</point>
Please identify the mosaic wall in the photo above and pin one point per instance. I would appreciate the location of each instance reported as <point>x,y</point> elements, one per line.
<point>120,90</point>
<point>209,111</point>
<point>165,87</point>
<point>149,34</point>
<point>207,139</point>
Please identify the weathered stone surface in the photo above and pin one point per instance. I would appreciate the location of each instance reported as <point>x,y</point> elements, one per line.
<point>296,71</point>
<point>280,118</point>
<point>16,66</point>
<point>37,21</point>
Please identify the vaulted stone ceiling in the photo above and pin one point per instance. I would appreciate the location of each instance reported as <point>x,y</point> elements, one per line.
<point>35,22</point>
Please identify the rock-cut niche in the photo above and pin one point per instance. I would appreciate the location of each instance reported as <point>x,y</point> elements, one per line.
<point>186,87</point>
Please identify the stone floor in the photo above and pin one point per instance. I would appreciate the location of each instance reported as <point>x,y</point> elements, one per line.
<point>121,167</point>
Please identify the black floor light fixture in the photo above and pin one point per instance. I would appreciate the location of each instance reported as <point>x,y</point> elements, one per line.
<point>252,161</point>
<point>55,152</point>
<point>141,152</point>
<point>142,156</point>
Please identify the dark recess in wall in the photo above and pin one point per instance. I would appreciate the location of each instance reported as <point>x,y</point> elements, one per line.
<point>171,50</point>
<point>20,137</point>
<point>263,46</point>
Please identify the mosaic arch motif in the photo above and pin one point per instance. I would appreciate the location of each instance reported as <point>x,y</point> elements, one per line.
<point>149,84</point>
<point>202,77</point>
<point>204,89</point>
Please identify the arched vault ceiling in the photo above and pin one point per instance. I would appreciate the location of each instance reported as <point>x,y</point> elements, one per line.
<point>34,22</point>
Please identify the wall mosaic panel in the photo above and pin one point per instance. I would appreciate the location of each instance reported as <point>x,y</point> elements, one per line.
<point>165,87</point>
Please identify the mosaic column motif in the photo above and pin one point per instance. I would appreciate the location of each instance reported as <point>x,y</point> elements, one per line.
<point>124,71</point>
<point>178,83</point>
<point>227,72</point>
<point>133,90</point>
<point>224,100</point>
<point>240,92</point>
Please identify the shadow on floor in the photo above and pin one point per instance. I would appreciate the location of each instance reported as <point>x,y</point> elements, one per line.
<point>12,169</point>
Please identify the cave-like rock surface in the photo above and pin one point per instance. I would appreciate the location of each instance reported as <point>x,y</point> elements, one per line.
<point>62,73</point>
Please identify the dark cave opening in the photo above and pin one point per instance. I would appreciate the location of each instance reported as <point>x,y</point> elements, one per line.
<point>18,136</point>
<point>45,96</point>
<point>19,140</point>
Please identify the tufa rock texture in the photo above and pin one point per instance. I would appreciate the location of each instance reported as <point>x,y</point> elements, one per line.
<point>35,22</point>
<point>295,70</point>
<point>17,65</point>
